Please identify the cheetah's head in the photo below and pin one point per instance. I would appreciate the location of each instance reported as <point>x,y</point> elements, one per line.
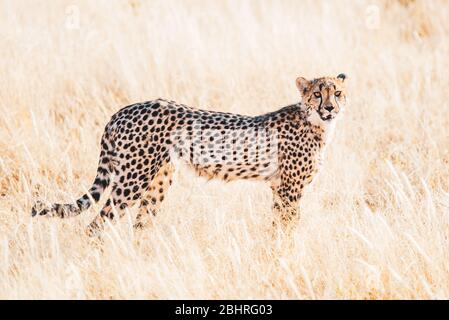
<point>326,96</point>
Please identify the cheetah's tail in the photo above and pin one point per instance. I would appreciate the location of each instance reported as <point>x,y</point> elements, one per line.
<point>102,181</point>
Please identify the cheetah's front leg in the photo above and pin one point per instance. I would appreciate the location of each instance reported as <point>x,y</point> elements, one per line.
<point>286,204</point>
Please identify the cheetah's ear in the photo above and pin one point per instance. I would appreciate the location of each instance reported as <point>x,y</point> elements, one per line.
<point>302,84</point>
<point>342,77</point>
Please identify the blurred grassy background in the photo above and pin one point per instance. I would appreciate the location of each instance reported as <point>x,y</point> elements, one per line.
<point>375,225</point>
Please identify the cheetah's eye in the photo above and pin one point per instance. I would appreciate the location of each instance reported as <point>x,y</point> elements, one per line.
<point>317,94</point>
<point>337,93</point>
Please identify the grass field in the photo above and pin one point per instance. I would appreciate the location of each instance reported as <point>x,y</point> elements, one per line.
<point>375,224</point>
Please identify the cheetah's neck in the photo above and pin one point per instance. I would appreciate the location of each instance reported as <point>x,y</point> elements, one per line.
<point>323,128</point>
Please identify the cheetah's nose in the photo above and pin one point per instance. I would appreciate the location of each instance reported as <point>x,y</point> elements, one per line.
<point>329,108</point>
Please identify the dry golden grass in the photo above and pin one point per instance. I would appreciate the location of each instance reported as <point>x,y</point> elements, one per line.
<point>375,224</point>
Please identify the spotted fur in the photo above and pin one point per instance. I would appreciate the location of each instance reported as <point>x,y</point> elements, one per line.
<point>142,142</point>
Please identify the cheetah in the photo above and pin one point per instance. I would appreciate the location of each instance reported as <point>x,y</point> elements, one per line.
<point>142,143</point>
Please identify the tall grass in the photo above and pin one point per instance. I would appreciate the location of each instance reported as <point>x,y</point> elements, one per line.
<point>375,224</point>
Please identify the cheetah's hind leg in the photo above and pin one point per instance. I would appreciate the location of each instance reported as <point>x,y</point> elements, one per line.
<point>152,199</point>
<point>126,192</point>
